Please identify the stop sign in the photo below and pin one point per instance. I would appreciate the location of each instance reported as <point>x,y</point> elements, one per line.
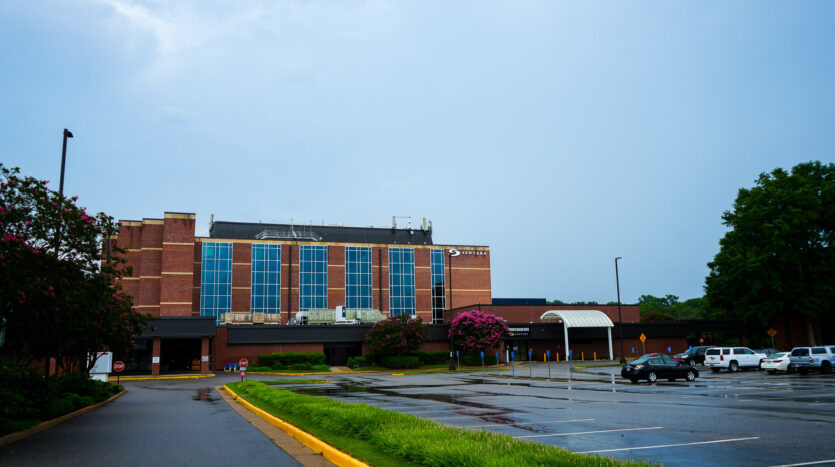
<point>118,367</point>
<point>243,363</point>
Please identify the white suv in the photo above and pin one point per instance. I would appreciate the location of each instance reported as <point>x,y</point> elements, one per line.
<point>732,358</point>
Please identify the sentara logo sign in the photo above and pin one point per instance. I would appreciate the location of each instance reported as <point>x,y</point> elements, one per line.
<point>454,252</point>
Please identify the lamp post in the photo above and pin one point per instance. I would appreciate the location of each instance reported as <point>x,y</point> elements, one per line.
<point>67,134</point>
<point>452,366</point>
<point>620,318</point>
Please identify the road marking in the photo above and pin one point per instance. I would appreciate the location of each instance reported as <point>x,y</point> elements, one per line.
<point>671,445</point>
<point>805,463</point>
<point>589,432</point>
<point>531,423</point>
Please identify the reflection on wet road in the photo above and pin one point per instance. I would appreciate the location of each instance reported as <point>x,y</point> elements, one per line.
<point>728,419</point>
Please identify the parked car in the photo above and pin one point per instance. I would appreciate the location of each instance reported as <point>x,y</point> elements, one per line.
<point>820,358</point>
<point>693,355</point>
<point>777,362</point>
<point>732,358</point>
<point>768,352</point>
<point>654,366</point>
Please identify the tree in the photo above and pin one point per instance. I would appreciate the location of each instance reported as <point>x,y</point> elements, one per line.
<point>476,331</point>
<point>776,261</point>
<point>396,335</point>
<point>58,297</point>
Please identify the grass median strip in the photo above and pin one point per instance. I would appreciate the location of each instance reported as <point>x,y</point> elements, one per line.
<point>386,438</point>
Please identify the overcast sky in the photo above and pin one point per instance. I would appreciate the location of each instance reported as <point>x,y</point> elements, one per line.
<point>560,134</point>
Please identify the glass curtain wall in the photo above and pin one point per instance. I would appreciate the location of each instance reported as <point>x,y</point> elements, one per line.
<point>438,286</point>
<point>266,279</point>
<point>401,281</point>
<point>216,280</point>
<point>313,277</point>
<point>358,277</point>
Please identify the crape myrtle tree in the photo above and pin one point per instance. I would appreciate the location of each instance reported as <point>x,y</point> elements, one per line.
<point>476,331</point>
<point>58,297</point>
<point>396,335</point>
<point>776,261</point>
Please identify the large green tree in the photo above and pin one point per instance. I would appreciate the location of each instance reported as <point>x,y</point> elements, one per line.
<point>59,296</point>
<point>776,260</point>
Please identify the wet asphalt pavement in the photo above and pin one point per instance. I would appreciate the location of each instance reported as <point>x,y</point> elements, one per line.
<point>158,423</point>
<point>749,418</point>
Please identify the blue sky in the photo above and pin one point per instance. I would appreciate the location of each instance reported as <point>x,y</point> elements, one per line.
<point>561,134</point>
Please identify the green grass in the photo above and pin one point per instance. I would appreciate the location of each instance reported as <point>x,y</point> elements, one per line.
<point>386,438</point>
<point>295,381</point>
<point>599,365</point>
<point>270,370</point>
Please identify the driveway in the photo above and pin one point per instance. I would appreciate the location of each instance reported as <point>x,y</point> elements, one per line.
<point>158,423</point>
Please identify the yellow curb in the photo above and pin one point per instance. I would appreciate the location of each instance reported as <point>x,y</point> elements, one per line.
<point>328,452</point>
<point>144,378</point>
<point>19,435</point>
<point>398,374</point>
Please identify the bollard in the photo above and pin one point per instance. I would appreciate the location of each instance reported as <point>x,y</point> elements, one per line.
<point>558,357</point>
<point>595,356</point>
<point>583,356</point>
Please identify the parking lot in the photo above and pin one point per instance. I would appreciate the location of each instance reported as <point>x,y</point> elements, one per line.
<point>745,418</point>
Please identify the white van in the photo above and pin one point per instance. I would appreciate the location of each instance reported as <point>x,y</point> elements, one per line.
<point>732,358</point>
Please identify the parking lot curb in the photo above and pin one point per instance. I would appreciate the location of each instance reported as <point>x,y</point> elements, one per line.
<point>320,447</point>
<point>19,435</point>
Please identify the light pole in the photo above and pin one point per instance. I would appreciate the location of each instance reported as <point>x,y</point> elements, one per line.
<point>620,318</point>
<point>67,134</point>
<point>452,366</point>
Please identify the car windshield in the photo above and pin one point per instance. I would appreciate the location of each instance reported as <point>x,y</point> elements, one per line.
<point>778,355</point>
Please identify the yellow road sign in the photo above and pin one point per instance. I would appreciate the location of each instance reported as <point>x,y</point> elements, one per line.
<point>772,332</point>
<point>643,337</point>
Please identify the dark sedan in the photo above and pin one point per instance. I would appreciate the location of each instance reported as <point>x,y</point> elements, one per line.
<point>693,355</point>
<point>654,366</point>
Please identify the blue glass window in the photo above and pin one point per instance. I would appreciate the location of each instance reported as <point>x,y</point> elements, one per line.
<point>266,279</point>
<point>438,286</point>
<point>401,281</point>
<point>358,277</point>
<point>216,280</point>
<point>313,277</point>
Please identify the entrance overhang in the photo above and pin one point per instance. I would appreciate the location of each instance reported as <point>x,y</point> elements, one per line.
<point>580,319</point>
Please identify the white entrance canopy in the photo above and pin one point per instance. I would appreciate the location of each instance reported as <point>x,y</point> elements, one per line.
<point>580,319</point>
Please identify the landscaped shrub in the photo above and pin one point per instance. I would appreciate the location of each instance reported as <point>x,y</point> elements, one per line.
<point>475,331</point>
<point>396,335</point>
<point>26,395</point>
<point>356,362</point>
<point>400,361</point>
<point>433,357</point>
<point>291,360</point>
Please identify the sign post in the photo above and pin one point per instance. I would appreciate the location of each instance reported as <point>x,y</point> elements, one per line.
<point>118,367</point>
<point>548,362</point>
<point>530,363</point>
<point>458,357</point>
<point>643,342</point>
<point>772,332</point>
<point>242,364</point>
<point>512,367</point>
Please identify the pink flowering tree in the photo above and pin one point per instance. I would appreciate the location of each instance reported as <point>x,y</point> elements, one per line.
<point>396,335</point>
<point>59,294</point>
<point>475,331</point>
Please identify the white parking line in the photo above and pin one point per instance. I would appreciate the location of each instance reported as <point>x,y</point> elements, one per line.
<point>589,432</point>
<point>806,463</point>
<point>671,445</point>
<point>532,423</point>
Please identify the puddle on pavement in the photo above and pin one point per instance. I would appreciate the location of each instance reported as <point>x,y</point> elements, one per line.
<point>205,395</point>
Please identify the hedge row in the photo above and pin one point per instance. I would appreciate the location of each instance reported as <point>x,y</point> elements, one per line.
<point>290,360</point>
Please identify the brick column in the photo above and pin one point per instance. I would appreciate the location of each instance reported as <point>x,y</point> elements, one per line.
<point>204,356</point>
<point>155,356</point>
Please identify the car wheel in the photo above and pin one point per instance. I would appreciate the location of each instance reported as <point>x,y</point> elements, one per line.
<point>714,369</point>
<point>826,368</point>
<point>733,366</point>
<point>771,372</point>
<point>691,376</point>
<point>634,380</point>
<point>651,377</point>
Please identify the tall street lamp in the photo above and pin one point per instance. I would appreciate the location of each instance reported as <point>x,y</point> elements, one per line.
<point>67,134</point>
<point>620,318</point>
<point>452,367</point>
